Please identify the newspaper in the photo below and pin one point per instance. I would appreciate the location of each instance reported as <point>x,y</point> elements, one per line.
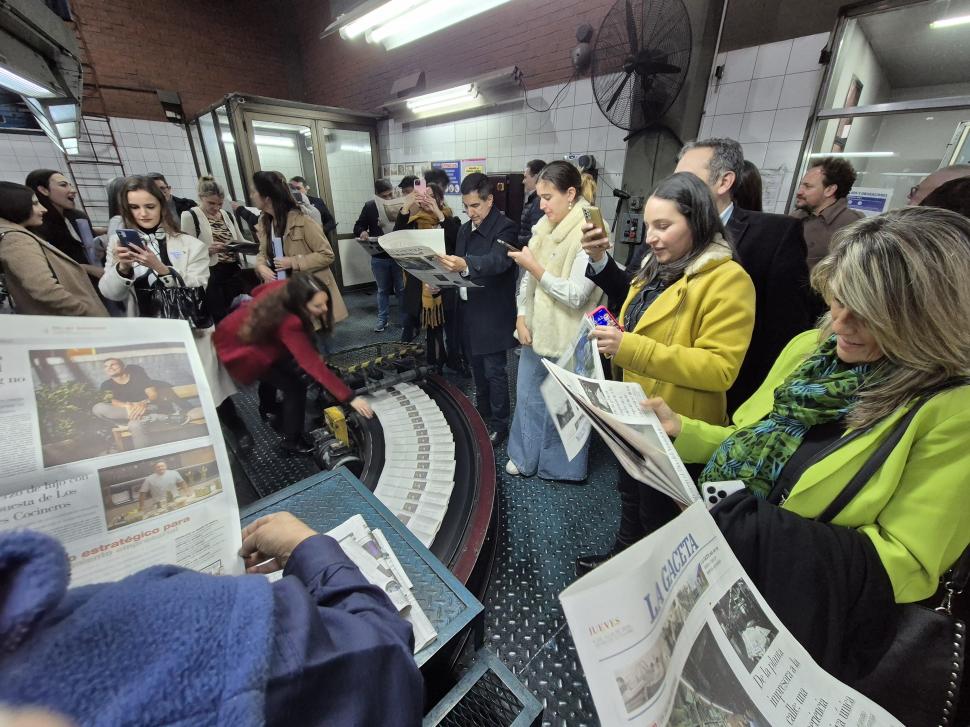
<point>636,437</point>
<point>122,488</point>
<point>582,359</point>
<point>372,245</point>
<point>370,551</point>
<point>417,251</point>
<point>672,632</point>
<point>418,476</point>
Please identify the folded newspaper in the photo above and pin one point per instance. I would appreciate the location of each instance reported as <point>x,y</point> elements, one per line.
<point>672,632</point>
<point>636,437</point>
<point>370,551</point>
<point>417,251</point>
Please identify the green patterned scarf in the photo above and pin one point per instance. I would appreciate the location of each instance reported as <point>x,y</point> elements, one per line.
<point>821,390</point>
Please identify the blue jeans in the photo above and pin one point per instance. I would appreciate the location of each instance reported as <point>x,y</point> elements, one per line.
<point>389,280</point>
<point>534,444</point>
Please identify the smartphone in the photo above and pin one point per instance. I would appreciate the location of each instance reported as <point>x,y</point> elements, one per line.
<point>594,217</point>
<point>509,246</point>
<point>602,317</point>
<point>419,185</point>
<point>130,238</point>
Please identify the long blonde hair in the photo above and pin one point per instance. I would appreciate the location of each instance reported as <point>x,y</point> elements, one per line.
<point>906,274</point>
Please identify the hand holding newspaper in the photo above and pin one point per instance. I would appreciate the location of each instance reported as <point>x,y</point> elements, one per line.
<point>636,437</point>
<point>417,251</point>
<point>672,632</point>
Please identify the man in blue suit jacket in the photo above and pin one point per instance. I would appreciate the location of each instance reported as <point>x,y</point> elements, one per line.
<point>486,314</point>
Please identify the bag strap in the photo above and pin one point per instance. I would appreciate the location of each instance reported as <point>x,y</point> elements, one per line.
<point>195,218</point>
<point>881,454</point>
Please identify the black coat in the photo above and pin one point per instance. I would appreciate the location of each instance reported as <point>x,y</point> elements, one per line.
<point>491,309</point>
<point>772,251</point>
<point>370,222</point>
<point>327,220</point>
<point>531,214</point>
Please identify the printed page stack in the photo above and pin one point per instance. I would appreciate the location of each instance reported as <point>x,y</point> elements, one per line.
<point>419,459</point>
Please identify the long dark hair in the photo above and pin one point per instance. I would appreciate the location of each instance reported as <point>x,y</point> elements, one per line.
<point>273,186</point>
<point>139,183</point>
<point>266,313</point>
<point>747,190</point>
<point>16,202</point>
<point>112,188</point>
<point>693,200</point>
<point>53,228</point>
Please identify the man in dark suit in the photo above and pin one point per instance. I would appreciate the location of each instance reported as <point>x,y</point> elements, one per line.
<point>327,220</point>
<point>486,313</point>
<point>770,247</point>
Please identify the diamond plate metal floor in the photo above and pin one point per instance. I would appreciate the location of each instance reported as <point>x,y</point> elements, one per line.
<point>542,527</point>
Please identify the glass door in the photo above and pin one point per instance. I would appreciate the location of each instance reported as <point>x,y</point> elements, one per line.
<point>348,155</point>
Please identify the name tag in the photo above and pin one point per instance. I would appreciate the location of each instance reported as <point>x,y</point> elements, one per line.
<point>176,253</point>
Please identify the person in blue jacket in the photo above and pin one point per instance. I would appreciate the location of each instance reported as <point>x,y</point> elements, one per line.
<point>168,645</point>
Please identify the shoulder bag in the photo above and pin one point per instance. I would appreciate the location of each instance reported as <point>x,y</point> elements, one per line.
<point>179,302</point>
<point>918,678</point>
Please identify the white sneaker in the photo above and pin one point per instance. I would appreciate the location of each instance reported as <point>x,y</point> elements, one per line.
<point>511,468</point>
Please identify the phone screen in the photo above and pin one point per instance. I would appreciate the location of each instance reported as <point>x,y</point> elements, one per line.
<point>130,238</point>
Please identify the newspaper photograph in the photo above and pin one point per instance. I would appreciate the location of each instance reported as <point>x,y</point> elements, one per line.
<point>113,446</point>
<point>417,251</point>
<point>582,359</point>
<point>635,436</point>
<point>672,632</point>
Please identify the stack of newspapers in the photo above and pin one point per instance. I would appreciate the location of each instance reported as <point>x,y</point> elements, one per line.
<point>419,459</point>
<point>370,551</point>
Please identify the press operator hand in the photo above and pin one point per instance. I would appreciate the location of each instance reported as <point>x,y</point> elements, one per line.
<point>453,263</point>
<point>361,406</point>
<point>522,331</point>
<point>607,339</point>
<point>272,538</point>
<point>128,257</point>
<point>669,419</point>
<point>595,242</point>
<point>265,272</point>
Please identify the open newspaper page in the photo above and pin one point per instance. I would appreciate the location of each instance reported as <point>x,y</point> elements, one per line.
<point>635,436</point>
<point>582,359</point>
<point>672,632</point>
<point>371,245</point>
<point>112,445</point>
<point>417,251</point>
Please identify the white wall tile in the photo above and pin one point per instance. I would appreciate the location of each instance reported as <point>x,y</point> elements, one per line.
<point>739,65</point>
<point>782,154</point>
<point>805,52</point>
<point>790,124</point>
<point>772,59</point>
<point>597,138</point>
<point>799,89</point>
<point>614,138</point>
<point>755,152</point>
<point>731,98</point>
<point>705,129</point>
<point>728,126</point>
<point>614,161</point>
<point>581,116</point>
<point>584,91</point>
<point>579,141</point>
<point>756,127</point>
<point>764,93</point>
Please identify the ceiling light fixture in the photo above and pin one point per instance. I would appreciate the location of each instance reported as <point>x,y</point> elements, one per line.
<point>25,87</point>
<point>950,22</point>
<point>499,87</point>
<point>398,22</point>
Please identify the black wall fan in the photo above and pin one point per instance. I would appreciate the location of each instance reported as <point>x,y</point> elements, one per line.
<point>640,61</point>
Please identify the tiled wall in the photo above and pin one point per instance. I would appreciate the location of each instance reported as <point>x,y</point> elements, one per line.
<point>763,100</point>
<point>351,171</point>
<point>510,136</point>
<point>144,146</point>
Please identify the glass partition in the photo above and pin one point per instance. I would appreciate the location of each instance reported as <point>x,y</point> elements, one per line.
<point>285,148</point>
<point>211,143</point>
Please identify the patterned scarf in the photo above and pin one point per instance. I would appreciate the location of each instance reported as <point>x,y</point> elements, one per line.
<point>821,390</point>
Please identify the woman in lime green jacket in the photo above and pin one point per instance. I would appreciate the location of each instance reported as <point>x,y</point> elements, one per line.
<point>898,287</point>
<point>688,315</point>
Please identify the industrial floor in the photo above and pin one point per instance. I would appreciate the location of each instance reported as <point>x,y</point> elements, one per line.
<point>542,527</point>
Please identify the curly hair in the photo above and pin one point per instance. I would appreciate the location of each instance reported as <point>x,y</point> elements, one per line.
<point>267,312</point>
<point>837,171</point>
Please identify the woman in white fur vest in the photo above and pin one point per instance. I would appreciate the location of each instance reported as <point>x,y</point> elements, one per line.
<point>554,295</point>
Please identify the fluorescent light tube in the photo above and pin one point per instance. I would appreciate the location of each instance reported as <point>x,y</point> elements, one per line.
<point>855,154</point>
<point>466,91</point>
<point>445,107</point>
<point>18,84</point>
<point>426,19</point>
<point>950,22</point>
<point>378,16</point>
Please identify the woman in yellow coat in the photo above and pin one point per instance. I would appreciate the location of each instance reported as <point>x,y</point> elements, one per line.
<point>687,322</point>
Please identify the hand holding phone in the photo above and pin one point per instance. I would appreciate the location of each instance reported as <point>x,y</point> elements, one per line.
<point>509,246</point>
<point>594,217</point>
<point>602,317</point>
<point>420,185</point>
<point>130,238</point>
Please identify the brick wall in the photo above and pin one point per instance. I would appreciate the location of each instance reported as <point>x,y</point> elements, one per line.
<point>203,50</point>
<point>535,35</point>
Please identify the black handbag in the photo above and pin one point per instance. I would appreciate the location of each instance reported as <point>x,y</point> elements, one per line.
<point>918,678</point>
<point>180,302</point>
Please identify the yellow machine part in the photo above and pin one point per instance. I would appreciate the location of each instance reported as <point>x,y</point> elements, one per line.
<point>337,423</point>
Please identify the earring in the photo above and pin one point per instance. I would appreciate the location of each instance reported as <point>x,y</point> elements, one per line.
<point>570,204</point>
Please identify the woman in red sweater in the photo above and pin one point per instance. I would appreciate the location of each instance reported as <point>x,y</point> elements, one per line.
<point>270,340</point>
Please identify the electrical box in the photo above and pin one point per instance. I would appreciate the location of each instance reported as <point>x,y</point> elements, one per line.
<point>630,228</point>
